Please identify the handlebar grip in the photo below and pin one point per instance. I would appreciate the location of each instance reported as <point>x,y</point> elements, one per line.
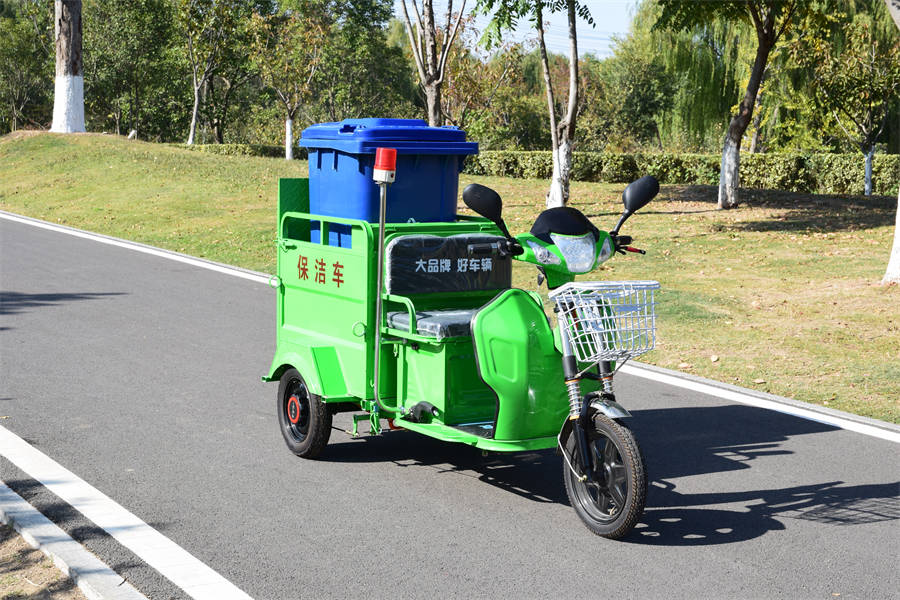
<point>484,248</point>
<point>636,250</point>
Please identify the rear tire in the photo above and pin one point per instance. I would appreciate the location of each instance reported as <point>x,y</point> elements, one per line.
<point>612,503</point>
<point>303,418</point>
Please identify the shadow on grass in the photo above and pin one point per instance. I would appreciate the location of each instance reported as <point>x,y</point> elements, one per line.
<point>805,212</point>
<point>677,443</point>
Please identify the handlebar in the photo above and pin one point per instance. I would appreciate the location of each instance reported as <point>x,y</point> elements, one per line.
<point>622,244</point>
<point>507,247</point>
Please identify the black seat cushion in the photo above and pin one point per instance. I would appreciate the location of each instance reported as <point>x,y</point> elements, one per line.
<point>438,324</point>
<point>427,264</point>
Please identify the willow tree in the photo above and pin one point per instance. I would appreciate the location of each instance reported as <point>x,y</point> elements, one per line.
<point>505,14</point>
<point>770,20</point>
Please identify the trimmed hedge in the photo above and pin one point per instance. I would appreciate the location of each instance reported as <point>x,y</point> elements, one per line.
<point>810,173</point>
<point>244,150</point>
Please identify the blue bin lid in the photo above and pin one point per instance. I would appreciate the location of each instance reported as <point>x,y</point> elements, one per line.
<point>408,136</point>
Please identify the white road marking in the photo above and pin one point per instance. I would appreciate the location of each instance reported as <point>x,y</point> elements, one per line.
<point>189,260</point>
<point>734,396</point>
<point>731,395</point>
<point>174,562</point>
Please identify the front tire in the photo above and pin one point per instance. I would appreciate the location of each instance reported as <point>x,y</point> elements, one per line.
<point>304,420</point>
<point>612,502</point>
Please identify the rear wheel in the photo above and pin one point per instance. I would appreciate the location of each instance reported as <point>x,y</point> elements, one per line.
<point>304,419</point>
<point>612,501</point>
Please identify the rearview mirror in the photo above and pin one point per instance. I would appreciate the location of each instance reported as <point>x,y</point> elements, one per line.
<point>636,196</point>
<point>639,193</point>
<point>484,201</point>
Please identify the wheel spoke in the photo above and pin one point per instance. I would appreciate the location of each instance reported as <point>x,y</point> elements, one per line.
<point>610,454</point>
<point>618,495</point>
<point>618,474</point>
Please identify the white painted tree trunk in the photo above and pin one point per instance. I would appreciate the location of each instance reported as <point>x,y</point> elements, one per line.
<point>869,170</point>
<point>892,274</point>
<point>194,113</point>
<point>559,182</point>
<point>68,99</point>
<point>289,139</point>
<point>729,174</point>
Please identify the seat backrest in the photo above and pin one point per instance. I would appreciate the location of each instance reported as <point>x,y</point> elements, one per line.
<point>424,264</point>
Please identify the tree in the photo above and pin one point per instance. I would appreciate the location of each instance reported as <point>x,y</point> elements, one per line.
<point>430,49</point>
<point>206,26</point>
<point>287,49</point>
<point>125,50</point>
<point>68,98</point>
<point>24,68</point>
<point>857,82</point>
<point>360,74</point>
<point>770,19</point>
<point>892,273</point>
<point>562,128</point>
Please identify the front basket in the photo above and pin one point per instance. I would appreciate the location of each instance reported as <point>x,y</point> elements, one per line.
<point>608,320</point>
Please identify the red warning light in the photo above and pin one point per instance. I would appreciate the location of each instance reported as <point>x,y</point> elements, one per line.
<point>385,165</point>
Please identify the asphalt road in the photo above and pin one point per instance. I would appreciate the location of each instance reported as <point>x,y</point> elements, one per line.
<point>141,375</point>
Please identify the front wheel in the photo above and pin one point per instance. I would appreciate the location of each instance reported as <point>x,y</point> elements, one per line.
<point>611,501</point>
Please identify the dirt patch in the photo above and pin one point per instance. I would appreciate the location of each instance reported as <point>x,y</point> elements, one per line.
<point>28,573</point>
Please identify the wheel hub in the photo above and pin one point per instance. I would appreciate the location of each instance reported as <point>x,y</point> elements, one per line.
<point>293,409</point>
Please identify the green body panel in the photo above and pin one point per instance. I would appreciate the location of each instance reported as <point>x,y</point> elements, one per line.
<point>518,360</point>
<point>445,374</point>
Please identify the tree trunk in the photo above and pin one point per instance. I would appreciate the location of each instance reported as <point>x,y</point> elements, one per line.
<point>289,138</point>
<point>433,104</point>
<point>68,100</point>
<point>563,134</point>
<point>868,190</point>
<point>562,170</point>
<point>193,130</point>
<point>729,176</point>
<point>892,274</point>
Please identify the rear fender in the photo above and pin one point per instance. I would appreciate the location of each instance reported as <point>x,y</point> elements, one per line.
<point>319,367</point>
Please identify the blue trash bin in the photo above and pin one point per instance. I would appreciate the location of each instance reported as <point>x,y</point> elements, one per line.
<point>342,157</point>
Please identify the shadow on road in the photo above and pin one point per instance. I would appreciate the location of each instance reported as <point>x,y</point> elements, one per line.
<point>16,302</point>
<point>677,442</point>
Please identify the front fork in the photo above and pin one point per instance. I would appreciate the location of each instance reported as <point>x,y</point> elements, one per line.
<point>579,422</point>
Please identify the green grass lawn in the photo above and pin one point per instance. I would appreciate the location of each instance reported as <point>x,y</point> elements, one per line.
<point>780,295</point>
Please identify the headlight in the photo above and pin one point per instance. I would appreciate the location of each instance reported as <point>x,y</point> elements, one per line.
<point>544,256</point>
<point>580,251</point>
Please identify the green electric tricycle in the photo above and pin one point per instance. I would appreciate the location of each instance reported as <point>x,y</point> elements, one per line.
<point>417,324</point>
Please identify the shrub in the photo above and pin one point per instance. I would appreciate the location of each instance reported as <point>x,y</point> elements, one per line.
<point>244,150</point>
<point>812,173</point>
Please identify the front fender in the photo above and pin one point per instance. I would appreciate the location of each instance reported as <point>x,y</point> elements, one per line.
<point>610,408</point>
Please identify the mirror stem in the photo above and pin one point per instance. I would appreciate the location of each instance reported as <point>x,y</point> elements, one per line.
<point>625,214</point>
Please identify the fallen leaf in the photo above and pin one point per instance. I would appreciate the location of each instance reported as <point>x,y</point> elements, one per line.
<point>759,381</point>
<point>685,365</point>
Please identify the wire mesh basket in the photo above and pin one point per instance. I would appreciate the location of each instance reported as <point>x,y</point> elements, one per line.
<point>608,320</point>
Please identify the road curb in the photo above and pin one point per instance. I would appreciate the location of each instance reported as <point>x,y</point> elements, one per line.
<point>93,577</point>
